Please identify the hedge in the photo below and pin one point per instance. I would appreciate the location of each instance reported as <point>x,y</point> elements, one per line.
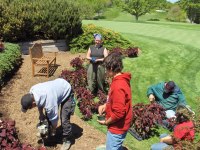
<point>36,19</point>
<point>111,39</point>
<point>10,59</point>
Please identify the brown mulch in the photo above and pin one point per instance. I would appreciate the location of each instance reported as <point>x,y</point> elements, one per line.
<point>86,137</point>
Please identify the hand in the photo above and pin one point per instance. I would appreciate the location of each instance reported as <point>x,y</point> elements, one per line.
<point>151,98</point>
<point>93,59</point>
<point>101,109</point>
<point>102,122</point>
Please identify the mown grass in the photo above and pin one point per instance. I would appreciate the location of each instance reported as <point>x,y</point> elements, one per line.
<point>117,14</point>
<point>186,34</point>
<point>169,52</point>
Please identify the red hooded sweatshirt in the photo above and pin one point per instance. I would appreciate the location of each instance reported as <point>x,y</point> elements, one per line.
<point>119,104</point>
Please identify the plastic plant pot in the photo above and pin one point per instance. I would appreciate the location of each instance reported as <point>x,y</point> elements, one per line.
<point>101,117</point>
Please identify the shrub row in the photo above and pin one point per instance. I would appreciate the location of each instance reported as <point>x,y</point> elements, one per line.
<point>32,20</point>
<point>111,39</point>
<point>10,59</point>
<point>9,138</point>
<point>77,77</point>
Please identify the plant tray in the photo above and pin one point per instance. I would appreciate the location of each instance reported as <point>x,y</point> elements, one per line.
<point>135,134</point>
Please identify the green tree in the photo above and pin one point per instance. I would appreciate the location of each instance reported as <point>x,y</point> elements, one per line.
<point>176,14</point>
<point>141,7</point>
<point>98,5</point>
<point>86,9</point>
<point>90,8</point>
<point>192,8</point>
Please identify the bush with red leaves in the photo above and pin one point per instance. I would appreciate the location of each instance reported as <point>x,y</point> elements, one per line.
<point>132,52</point>
<point>78,79</point>
<point>129,52</point>
<point>146,117</point>
<point>77,63</point>
<point>118,50</point>
<point>9,139</point>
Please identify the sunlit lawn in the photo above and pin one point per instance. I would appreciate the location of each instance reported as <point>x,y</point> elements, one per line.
<point>169,52</point>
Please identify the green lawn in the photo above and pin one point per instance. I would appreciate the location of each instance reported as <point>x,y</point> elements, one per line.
<point>117,14</point>
<point>185,34</point>
<point>169,52</point>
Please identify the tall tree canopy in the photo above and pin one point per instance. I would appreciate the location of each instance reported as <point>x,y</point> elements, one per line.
<point>141,7</point>
<point>192,8</point>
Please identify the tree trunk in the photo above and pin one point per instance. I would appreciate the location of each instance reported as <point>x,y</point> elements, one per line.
<point>136,17</point>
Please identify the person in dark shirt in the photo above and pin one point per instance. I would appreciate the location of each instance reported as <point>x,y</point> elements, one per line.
<point>96,72</point>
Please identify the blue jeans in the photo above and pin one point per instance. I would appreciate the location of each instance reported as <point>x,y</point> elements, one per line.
<point>160,146</point>
<point>114,141</point>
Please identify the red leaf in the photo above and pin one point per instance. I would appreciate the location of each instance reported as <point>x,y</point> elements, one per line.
<point>4,143</point>
<point>42,148</point>
<point>3,133</point>
<point>11,123</point>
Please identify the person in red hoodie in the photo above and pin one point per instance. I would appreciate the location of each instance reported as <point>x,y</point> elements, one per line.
<point>118,108</point>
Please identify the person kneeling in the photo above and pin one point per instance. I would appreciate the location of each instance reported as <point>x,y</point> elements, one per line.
<point>184,130</point>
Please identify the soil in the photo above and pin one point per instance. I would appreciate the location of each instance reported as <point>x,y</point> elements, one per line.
<point>86,137</point>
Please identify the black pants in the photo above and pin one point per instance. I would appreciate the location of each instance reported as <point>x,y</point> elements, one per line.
<point>67,109</point>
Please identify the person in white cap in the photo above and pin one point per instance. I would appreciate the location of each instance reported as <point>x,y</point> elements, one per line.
<point>96,72</point>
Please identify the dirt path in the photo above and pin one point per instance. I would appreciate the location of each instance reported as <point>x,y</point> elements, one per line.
<point>86,137</point>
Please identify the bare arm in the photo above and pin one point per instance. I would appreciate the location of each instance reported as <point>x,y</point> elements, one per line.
<point>168,140</point>
<point>88,54</point>
<point>41,114</point>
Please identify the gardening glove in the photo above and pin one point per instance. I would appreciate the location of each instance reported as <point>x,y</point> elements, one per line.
<point>93,59</point>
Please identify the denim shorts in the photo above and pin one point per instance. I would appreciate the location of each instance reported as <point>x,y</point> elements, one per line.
<point>114,141</point>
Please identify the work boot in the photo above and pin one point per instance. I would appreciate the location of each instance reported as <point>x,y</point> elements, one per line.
<point>66,144</point>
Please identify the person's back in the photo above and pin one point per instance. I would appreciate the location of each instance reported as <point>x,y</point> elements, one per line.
<point>184,131</point>
<point>47,96</point>
<point>54,91</point>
